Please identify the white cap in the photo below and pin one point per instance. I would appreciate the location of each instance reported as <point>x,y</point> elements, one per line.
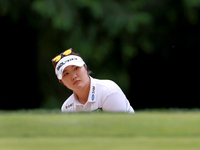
<point>67,61</point>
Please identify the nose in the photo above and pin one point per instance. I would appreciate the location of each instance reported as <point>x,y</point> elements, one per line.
<point>74,76</point>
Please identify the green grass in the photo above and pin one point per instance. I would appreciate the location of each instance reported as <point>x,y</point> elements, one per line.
<point>145,130</point>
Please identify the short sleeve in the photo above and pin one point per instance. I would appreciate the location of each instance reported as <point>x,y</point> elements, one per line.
<point>115,102</point>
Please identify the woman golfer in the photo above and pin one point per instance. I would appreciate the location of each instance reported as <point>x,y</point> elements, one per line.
<point>89,94</point>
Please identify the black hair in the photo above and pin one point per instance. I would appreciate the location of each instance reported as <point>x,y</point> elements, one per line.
<point>89,72</point>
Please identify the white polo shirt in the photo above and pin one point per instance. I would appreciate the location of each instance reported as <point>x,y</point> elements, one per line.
<point>104,95</point>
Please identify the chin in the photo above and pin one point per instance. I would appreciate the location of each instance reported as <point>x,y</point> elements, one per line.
<point>78,86</point>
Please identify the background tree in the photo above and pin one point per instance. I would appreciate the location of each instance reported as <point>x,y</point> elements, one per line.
<point>147,47</point>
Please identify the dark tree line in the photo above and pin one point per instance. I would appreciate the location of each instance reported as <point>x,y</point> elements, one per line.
<point>149,48</point>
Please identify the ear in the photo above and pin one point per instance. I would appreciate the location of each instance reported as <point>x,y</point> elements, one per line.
<point>88,71</point>
<point>60,81</point>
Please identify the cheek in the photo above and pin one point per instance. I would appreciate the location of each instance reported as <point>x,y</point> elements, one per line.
<point>83,72</point>
<point>84,76</point>
<point>66,82</point>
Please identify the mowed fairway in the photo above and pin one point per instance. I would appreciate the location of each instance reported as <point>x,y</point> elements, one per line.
<point>38,130</point>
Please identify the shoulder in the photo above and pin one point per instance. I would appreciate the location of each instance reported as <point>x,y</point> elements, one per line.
<point>108,85</point>
<point>68,104</point>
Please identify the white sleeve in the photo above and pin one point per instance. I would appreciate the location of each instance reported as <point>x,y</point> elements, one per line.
<point>116,102</point>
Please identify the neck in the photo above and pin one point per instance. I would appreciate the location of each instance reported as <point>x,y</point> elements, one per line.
<point>82,94</point>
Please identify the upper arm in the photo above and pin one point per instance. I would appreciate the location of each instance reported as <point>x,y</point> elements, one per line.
<point>115,102</point>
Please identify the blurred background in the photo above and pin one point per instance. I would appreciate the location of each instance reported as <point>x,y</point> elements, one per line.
<point>148,47</point>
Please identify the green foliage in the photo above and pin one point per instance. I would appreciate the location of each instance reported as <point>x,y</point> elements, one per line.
<point>59,12</point>
<point>192,7</point>
<point>91,28</point>
<point>107,33</point>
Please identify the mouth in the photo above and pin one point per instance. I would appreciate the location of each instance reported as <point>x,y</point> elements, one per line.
<point>76,82</point>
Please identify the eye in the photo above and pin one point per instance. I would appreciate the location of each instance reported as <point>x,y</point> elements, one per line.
<point>76,68</point>
<point>65,74</point>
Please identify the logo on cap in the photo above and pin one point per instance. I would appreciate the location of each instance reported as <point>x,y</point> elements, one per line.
<point>62,63</point>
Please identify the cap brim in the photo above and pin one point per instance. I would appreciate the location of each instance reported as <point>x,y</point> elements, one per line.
<point>79,64</point>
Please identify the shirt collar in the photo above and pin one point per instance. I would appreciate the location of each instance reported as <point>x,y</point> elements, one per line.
<point>92,93</point>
